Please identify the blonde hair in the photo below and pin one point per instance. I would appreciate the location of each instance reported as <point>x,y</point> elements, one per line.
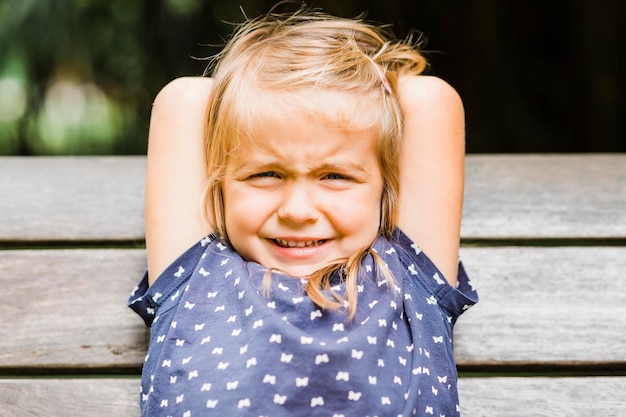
<point>293,59</point>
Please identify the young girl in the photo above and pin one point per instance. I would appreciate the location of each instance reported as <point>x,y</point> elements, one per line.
<point>327,160</point>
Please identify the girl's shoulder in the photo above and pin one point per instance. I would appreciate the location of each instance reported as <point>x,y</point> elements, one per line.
<point>420,276</point>
<point>163,292</point>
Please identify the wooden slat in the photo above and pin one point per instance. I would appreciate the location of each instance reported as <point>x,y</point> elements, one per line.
<point>480,397</point>
<point>71,198</point>
<point>543,397</point>
<point>507,196</point>
<point>545,305</point>
<point>541,306</point>
<point>545,196</point>
<point>66,308</point>
<point>69,397</point>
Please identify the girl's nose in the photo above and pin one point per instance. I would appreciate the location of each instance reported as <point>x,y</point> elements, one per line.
<point>297,205</point>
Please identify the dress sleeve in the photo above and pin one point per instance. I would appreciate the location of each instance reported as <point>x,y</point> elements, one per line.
<point>150,301</point>
<point>454,300</point>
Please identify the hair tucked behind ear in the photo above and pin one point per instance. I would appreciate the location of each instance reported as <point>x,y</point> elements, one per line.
<point>291,59</point>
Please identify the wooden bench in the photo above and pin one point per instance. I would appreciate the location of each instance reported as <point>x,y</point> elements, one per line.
<point>544,238</point>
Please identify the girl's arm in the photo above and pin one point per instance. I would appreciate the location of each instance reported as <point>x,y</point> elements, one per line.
<point>432,169</point>
<point>176,172</point>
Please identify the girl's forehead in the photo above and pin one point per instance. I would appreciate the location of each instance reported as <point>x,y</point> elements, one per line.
<point>351,111</point>
<point>303,131</point>
<point>305,145</point>
<point>307,133</point>
<point>318,125</point>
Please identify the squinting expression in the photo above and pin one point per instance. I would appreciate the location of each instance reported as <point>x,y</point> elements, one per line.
<point>308,195</point>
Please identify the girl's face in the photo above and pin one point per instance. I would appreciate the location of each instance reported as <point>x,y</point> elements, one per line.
<point>304,194</point>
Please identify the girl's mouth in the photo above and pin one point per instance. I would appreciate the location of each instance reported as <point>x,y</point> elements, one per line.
<point>298,244</point>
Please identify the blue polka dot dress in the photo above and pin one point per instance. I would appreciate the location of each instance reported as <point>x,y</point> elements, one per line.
<point>221,345</point>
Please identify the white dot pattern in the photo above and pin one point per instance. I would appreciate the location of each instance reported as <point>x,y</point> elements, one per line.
<point>220,347</point>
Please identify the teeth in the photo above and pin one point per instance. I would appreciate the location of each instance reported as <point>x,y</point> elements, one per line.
<point>299,244</point>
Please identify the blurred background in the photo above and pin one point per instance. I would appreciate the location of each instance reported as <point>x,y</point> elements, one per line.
<point>79,76</point>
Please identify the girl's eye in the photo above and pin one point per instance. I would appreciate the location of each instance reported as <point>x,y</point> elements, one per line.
<point>334,176</point>
<point>268,174</point>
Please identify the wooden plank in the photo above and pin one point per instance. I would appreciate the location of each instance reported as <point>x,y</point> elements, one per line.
<point>543,397</point>
<point>545,196</point>
<point>507,196</point>
<point>69,397</point>
<point>559,305</point>
<point>67,308</point>
<point>479,397</point>
<point>71,198</point>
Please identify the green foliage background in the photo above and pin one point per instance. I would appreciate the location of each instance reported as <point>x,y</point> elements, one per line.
<point>79,76</point>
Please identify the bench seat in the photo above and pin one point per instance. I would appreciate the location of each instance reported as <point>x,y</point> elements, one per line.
<point>543,237</point>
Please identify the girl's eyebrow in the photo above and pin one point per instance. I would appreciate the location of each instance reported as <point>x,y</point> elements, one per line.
<point>343,166</point>
<point>250,166</point>
<point>254,165</point>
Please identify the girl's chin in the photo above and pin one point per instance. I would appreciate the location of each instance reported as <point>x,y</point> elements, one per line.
<point>298,271</point>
